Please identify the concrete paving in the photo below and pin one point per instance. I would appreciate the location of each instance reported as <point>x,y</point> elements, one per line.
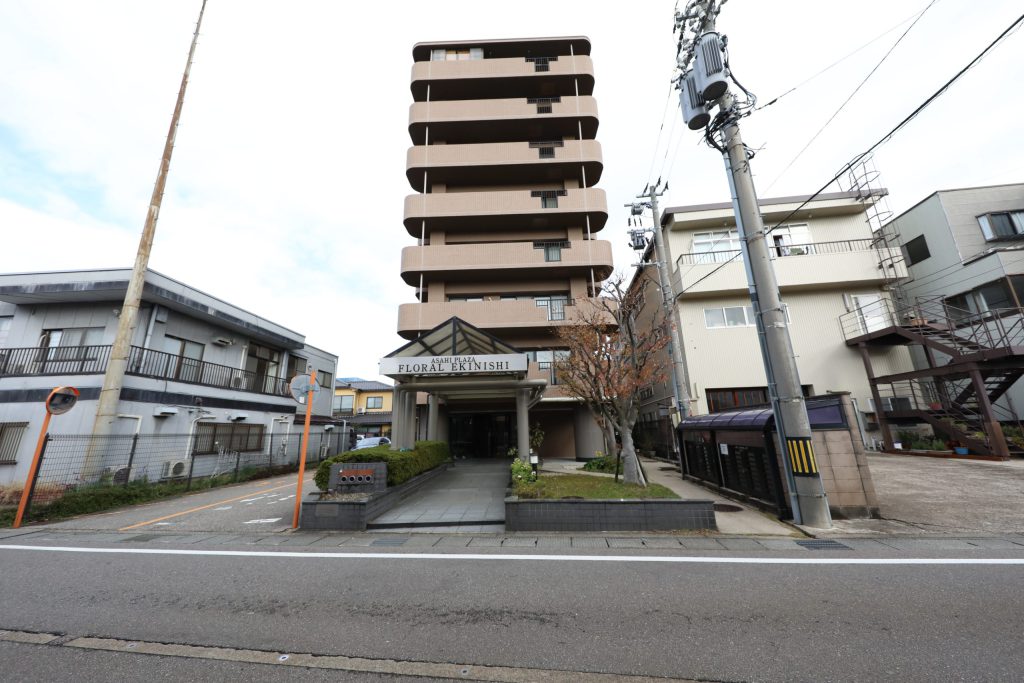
<point>470,495</point>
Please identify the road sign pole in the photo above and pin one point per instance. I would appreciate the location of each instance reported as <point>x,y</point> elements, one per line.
<point>26,492</point>
<point>302,453</point>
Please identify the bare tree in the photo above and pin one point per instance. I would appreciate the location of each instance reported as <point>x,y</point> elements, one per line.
<point>611,361</point>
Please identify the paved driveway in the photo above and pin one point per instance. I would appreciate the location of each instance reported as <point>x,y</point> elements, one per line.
<point>470,496</point>
<point>918,494</point>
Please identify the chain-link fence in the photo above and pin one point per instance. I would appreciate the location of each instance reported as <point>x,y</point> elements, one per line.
<point>74,462</point>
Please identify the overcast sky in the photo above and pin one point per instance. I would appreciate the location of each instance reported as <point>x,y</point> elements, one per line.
<point>286,188</point>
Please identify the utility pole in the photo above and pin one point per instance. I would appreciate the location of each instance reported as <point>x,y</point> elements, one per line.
<point>708,77</point>
<point>110,394</point>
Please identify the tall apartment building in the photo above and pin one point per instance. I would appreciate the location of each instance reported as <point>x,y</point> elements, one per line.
<point>505,215</point>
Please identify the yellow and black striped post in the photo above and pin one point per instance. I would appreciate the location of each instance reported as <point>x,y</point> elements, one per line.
<point>801,457</point>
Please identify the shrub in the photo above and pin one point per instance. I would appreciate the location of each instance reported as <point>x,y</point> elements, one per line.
<point>605,463</point>
<point>522,471</point>
<point>402,465</point>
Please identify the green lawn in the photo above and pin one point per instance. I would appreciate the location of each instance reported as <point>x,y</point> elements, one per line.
<point>556,486</point>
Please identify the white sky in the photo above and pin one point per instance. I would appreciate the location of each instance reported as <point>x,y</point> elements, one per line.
<point>286,187</point>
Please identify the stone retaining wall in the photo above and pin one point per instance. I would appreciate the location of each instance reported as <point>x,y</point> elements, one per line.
<point>608,515</point>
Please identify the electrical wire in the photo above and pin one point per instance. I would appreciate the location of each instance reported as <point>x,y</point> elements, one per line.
<point>851,96</point>
<point>838,61</point>
<point>888,136</point>
<point>657,142</point>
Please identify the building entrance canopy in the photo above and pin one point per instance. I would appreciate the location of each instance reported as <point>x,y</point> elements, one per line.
<point>463,365</point>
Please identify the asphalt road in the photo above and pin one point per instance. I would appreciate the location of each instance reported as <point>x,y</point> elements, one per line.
<point>251,507</point>
<point>706,621</point>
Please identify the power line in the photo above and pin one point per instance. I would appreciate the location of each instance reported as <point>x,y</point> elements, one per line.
<point>657,142</point>
<point>840,60</point>
<point>851,96</point>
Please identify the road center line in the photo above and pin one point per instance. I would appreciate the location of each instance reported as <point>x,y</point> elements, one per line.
<point>202,507</point>
<point>524,558</point>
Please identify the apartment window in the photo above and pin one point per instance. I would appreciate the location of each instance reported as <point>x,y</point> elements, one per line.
<point>465,297</point>
<point>324,379</point>
<point>5,328</point>
<point>720,400</point>
<point>995,295</point>
<point>555,303</point>
<point>991,296</point>
<point>916,250</point>
<point>71,336</point>
<point>541,63</point>
<point>791,240</point>
<point>296,366</point>
<point>460,54</point>
<point>374,402</point>
<point>734,316</point>
<point>228,436</point>
<point>715,246</point>
<point>548,198</point>
<point>547,152</point>
<point>1003,225</point>
<point>188,356</point>
<point>10,440</point>
<point>546,148</point>
<point>552,250</point>
<point>543,103</point>
<point>343,404</point>
<point>70,349</point>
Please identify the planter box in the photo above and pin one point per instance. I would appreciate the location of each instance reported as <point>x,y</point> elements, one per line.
<point>352,515</point>
<point>608,515</point>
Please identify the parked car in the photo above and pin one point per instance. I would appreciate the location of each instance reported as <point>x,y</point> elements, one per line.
<point>372,441</point>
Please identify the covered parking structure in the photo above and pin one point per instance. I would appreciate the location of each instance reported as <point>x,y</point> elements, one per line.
<point>472,378</point>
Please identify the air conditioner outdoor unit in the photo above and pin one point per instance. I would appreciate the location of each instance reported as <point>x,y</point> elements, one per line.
<point>174,469</point>
<point>237,382</point>
<point>362,411</point>
<point>223,341</point>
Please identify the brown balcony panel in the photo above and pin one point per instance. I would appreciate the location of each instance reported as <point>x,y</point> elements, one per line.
<point>472,121</point>
<point>502,163</point>
<point>515,210</point>
<point>493,316</point>
<point>504,261</point>
<point>490,78</point>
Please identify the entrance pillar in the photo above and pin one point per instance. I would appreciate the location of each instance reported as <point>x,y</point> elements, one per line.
<point>522,425</point>
<point>432,417</point>
<point>396,418</point>
<point>410,416</point>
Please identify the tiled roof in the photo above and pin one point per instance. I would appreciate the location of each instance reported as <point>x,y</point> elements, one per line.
<point>363,385</point>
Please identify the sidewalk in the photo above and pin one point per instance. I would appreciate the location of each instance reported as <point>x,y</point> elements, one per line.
<point>746,521</point>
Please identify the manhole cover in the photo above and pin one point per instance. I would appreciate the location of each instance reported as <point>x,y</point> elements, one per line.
<point>390,541</point>
<point>725,507</point>
<point>823,545</point>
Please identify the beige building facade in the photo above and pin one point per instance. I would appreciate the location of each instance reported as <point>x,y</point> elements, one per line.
<point>827,265</point>
<point>504,219</point>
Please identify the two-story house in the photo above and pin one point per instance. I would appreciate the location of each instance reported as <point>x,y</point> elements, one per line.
<point>364,404</point>
<point>197,364</point>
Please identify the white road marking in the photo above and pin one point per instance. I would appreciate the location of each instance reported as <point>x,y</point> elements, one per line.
<point>264,521</point>
<point>226,507</point>
<point>249,500</point>
<point>163,524</point>
<point>522,558</point>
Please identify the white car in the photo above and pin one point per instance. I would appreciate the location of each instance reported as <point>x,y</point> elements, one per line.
<point>372,441</point>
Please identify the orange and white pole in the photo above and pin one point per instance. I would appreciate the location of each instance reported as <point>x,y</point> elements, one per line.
<point>305,444</point>
<point>27,491</point>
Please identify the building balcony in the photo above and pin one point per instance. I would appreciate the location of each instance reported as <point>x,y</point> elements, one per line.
<point>517,76</point>
<point>507,261</point>
<point>493,316</point>
<point>510,210</point>
<point>820,265</point>
<point>503,163</point>
<point>472,121</point>
<point>92,360</point>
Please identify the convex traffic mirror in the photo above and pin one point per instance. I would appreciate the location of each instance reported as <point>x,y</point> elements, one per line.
<point>61,400</point>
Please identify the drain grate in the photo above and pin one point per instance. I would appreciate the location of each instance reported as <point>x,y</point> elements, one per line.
<point>725,507</point>
<point>823,545</point>
<point>390,541</point>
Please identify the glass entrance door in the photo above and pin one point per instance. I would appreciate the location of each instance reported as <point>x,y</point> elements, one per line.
<point>481,435</point>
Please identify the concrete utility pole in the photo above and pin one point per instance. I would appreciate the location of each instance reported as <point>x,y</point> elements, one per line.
<point>680,381</point>
<point>110,394</point>
<point>793,427</point>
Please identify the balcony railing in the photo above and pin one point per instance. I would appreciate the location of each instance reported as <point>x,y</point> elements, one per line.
<point>777,251</point>
<point>92,360</point>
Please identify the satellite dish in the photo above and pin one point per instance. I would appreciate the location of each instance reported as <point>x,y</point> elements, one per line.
<point>300,386</point>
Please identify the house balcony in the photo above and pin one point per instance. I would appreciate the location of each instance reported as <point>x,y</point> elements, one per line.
<point>493,316</point>
<point>510,210</point>
<point>92,360</point>
<point>485,78</point>
<point>504,163</point>
<point>507,261</point>
<point>503,120</point>
<point>821,265</point>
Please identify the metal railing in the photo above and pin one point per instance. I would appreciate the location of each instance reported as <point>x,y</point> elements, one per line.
<point>150,363</point>
<point>56,360</point>
<point>960,329</point>
<point>777,251</point>
<point>92,360</point>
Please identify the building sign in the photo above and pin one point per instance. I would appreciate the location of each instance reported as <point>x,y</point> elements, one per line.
<point>454,365</point>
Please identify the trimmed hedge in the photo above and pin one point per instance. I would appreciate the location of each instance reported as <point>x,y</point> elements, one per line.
<point>402,465</point>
